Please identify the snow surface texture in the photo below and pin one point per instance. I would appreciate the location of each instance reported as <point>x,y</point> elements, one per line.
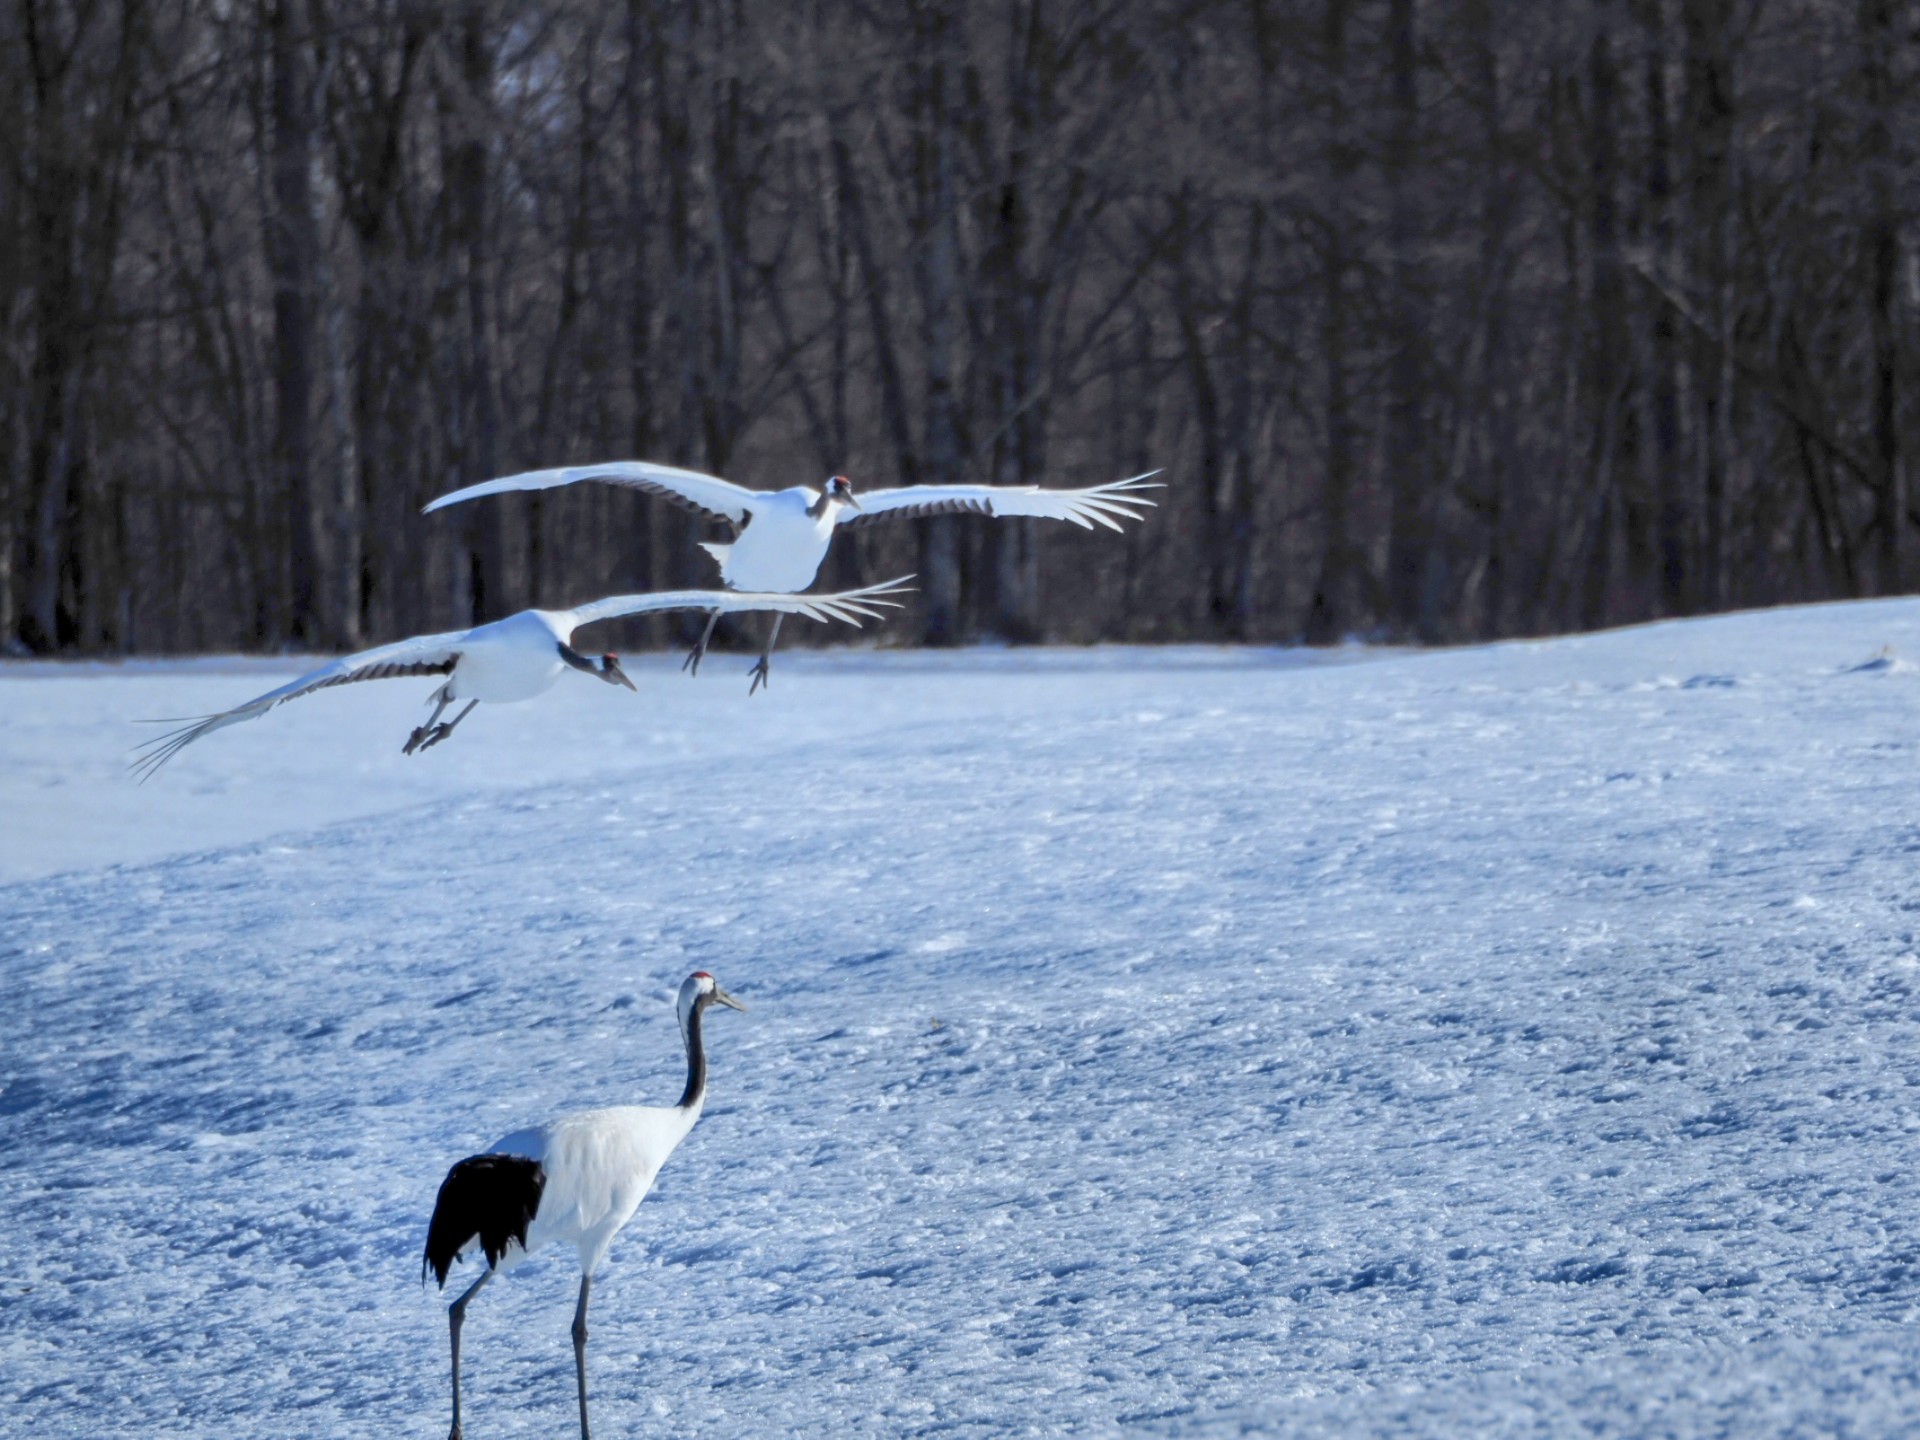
<point>1507,1041</point>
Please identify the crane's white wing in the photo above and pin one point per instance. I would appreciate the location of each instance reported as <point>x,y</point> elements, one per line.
<point>1097,505</point>
<point>422,655</point>
<point>707,494</point>
<point>850,606</point>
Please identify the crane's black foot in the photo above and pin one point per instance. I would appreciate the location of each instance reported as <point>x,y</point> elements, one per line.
<point>436,735</point>
<point>426,737</point>
<point>759,673</point>
<point>691,665</point>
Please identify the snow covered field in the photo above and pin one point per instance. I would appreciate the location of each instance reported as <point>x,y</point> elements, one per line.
<point>1516,1040</point>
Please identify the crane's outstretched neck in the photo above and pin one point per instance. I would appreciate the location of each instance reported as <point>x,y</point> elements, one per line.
<point>696,995</point>
<point>696,1090</point>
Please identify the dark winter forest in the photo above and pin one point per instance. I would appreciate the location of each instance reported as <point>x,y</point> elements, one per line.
<point>1446,320</point>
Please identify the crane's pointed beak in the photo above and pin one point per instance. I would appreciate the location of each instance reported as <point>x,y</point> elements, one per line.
<point>720,997</point>
<point>619,676</point>
<point>847,498</point>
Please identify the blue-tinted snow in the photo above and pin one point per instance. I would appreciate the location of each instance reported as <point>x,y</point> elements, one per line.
<point>1508,1041</point>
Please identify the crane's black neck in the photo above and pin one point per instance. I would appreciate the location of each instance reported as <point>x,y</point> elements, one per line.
<point>579,662</point>
<point>696,1058</point>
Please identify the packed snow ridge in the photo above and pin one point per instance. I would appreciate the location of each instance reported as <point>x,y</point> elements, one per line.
<point>1515,1040</point>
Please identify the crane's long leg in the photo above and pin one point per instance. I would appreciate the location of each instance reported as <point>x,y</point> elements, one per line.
<point>442,700</point>
<point>440,732</point>
<point>456,1316</point>
<point>580,1351</point>
<point>759,671</point>
<point>695,655</point>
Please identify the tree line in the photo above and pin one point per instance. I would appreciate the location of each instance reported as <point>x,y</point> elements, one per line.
<point>1445,320</point>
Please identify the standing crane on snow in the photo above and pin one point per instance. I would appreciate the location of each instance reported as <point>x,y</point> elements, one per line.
<point>576,1180</point>
<point>512,659</point>
<point>781,536</point>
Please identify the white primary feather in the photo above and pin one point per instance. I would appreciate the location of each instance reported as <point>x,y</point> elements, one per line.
<point>848,606</point>
<point>708,493</point>
<point>1096,505</point>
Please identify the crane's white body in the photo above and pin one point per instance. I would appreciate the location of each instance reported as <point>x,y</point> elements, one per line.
<point>781,536</point>
<point>783,547</point>
<point>599,1166</point>
<point>513,659</point>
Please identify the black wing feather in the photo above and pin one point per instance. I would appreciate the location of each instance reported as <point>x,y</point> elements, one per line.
<point>911,512</point>
<point>663,492</point>
<point>393,669</point>
<point>489,1197</point>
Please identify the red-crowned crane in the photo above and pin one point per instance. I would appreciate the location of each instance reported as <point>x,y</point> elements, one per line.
<point>512,659</point>
<point>576,1180</point>
<point>781,536</point>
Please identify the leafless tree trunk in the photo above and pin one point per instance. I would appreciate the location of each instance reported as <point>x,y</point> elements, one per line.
<point>291,246</point>
<point>1417,558</point>
<point>486,590</point>
<point>1878,43</point>
<point>1709,124</point>
<point>1608,402</point>
<point>937,278</point>
<point>1662,541</point>
<point>1337,608</point>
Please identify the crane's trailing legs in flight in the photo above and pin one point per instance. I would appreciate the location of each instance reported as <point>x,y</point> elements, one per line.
<point>765,662</point>
<point>694,656</point>
<point>426,736</point>
<point>761,667</point>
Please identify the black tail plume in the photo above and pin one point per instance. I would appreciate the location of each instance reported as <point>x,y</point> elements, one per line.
<point>493,1197</point>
